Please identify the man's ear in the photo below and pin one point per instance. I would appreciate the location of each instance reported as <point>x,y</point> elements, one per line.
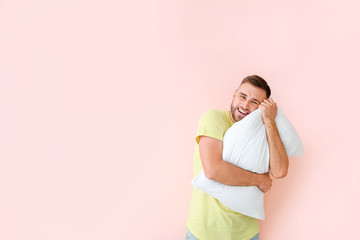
<point>235,93</point>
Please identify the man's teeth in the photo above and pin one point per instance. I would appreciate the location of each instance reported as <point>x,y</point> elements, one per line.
<point>242,111</point>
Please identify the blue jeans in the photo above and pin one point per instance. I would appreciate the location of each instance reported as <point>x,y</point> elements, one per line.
<point>190,236</point>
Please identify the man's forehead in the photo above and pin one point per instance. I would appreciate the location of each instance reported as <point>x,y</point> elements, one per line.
<point>252,92</point>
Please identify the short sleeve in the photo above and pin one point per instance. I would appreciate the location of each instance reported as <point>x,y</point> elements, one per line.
<point>212,124</point>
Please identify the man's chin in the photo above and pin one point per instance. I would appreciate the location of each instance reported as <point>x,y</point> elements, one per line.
<point>237,118</point>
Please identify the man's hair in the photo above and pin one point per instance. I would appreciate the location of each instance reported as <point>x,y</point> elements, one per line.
<point>259,82</point>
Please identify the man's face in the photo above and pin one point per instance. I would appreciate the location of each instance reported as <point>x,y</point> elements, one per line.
<point>246,99</point>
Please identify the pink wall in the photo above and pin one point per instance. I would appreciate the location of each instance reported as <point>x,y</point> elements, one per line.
<point>100,102</point>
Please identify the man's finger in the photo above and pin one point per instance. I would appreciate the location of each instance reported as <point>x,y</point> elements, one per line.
<point>265,104</point>
<point>268,102</point>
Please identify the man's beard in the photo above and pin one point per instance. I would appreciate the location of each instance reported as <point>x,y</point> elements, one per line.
<point>233,113</point>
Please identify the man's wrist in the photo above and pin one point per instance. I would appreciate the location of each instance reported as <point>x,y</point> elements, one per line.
<point>258,179</point>
<point>270,124</point>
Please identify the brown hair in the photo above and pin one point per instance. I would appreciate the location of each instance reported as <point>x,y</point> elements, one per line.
<point>259,82</point>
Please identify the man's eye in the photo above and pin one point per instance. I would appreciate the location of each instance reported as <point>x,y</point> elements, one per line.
<point>243,97</point>
<point>255,102</point>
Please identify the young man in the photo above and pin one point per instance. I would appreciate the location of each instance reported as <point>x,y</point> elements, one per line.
<point>208,218</point>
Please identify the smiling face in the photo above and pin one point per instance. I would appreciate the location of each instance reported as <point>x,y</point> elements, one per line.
<point>246,99</point>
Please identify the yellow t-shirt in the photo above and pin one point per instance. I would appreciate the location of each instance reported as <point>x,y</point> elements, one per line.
<point>208,218</point>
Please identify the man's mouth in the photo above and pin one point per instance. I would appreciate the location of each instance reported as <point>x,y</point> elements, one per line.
<point>243,113</point>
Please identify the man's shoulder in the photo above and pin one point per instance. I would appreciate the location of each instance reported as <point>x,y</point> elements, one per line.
<point>215,112</point>
<point>215,116</point>
<point>213,123</point>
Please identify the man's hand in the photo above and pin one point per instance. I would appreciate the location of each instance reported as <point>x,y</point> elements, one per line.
<point>269,110</point>
<point>265,182</point>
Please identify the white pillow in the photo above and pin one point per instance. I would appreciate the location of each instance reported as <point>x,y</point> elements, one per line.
<point>245,145</point>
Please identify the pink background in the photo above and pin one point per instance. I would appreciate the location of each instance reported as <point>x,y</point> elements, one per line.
<point>100,100</point>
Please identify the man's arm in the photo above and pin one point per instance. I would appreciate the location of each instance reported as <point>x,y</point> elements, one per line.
<point>279,162</point>
<point>217,169</point>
